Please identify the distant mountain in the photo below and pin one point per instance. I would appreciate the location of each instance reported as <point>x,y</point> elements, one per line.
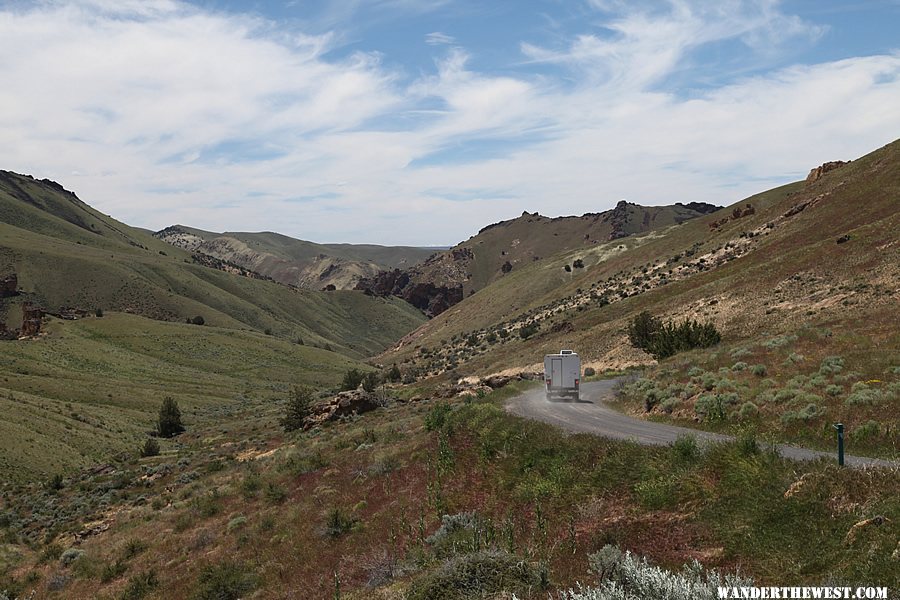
<point>66,255</point>
<point>447,277</point>
<point>292,261</point>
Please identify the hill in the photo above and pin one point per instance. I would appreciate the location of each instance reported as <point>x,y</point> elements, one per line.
<point>295,262</point>
<point>802,280</point>
<point>499,249</point>
<point>445,494</point>
<point>89,389</point>
<point>66,254</point>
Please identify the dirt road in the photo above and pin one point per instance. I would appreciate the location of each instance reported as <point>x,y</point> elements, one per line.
<point>592,415</point>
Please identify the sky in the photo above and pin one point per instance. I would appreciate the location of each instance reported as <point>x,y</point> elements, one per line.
<point>417,122</point>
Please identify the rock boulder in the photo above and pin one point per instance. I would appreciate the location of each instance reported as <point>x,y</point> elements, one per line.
<point>345,404</point>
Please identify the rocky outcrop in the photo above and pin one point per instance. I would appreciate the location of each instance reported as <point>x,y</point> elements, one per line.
<point>736,213</point>
<point>9,286</point>
<point>345,404</point>
<point>223,265</point>
<point>817,173</point>
<point>430,298</point>
<point>704,208</point>
<point>447,277</point>
<point>32,317</point>
<point>69,313</point>
<point>618,218</point>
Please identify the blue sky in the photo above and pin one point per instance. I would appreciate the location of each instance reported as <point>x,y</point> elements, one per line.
<point>421,121</point>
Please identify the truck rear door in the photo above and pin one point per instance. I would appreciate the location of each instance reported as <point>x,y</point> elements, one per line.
<point>556,369</point>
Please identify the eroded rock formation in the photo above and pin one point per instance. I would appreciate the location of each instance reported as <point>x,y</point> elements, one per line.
<point>816,173</point>
<point>345,404</point>
<point>9,286</point>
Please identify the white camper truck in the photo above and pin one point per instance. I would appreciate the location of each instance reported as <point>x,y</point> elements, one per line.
<point>562,373</point>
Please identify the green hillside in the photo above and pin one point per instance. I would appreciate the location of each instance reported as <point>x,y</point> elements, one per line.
<point>776,272</point>
<point>66,254</point>
<point>91,388</point>
<point>295,262</point>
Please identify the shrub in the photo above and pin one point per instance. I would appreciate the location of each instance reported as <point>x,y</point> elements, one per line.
<point>747,443</point>
<point>169,423</point>
<point>725,385</point>
<point>862,394</point>
<point>113,570</point>
<point>352,379</point>
<point>133,547</point>
<point>298,407</point>
<point>50,553</point>
<point>578,263</point>
<point>589,372</point>
<point>642,330</point>
<point>251,484</point>
<point>759,370</point>
<point>809,413</point>
<point>456,534</point>
<point>606,562</point>
<point>834,390</point>
<point>150,448</point>
<point>529,330</point>
<point>237,522</point>
<point>98,312</point>
<point>831,365</point>
<point>868,429</point>
<point>140,585</point>
<point>224,581</point>
<point>198,320</point>
<point>739,366</point>
<point>668,405</point>
<point>370,381</point>
<point>695,372</point>
<point>710,407</point>
<point>779,341</point>
<point>630,578</point>
<point>748,410</point>
<point>794,358</point>
<point>783,395</point>
<point>338,523</point>
<point>55,483</point>
<point>685,448</point>
<point>275,493</point>
<point>479,575</point>
<point>70,556</point>
<point>665,339</point>
<point>436,417</point>
<point>656,493</point>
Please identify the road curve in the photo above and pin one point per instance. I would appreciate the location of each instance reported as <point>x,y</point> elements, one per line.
<point>592,415</point>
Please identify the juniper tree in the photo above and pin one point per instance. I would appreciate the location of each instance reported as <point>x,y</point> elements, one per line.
<point>299,406</point>
<point>169,419</point>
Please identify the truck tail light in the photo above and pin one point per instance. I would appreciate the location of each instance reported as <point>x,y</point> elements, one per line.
<point>576,382</point>
<point>548,382</point>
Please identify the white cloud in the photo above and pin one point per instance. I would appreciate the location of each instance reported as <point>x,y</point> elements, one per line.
<point>436,38</point>
<point>160,113</point>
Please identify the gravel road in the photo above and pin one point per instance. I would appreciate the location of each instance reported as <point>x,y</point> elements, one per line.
<point>592,415</point>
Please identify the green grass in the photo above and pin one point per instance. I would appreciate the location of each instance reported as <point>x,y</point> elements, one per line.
<point>93,387</point>
<point>67,254</point>
<point>530,504</point>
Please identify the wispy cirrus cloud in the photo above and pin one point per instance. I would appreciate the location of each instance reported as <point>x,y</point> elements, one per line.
<point>437,38</point>
<point>162,112</point>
